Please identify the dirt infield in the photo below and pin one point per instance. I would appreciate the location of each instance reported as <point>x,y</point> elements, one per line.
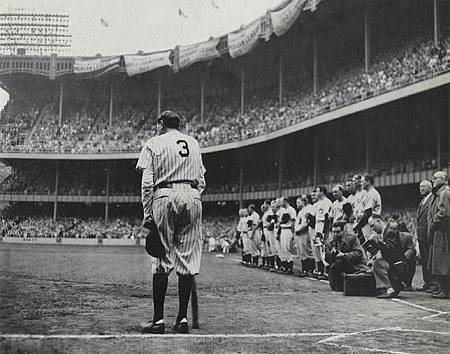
<point>92,299</point>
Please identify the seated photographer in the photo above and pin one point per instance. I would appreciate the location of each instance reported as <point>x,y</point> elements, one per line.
<point>344,254</point>
<point>395,257</point>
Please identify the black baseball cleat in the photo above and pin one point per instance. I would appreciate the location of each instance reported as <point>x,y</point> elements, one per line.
<point>152,328</point>
<point>181,327</point>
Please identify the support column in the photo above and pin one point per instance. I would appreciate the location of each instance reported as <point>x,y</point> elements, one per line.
<point>55,200</point>
<point>111,105</point>
<point>202,97</point>
<point>241,180</point>
<point>436,14</point>
<point>159,95</point>
<point>280,80</point>
<point>366,36</point>
<point>446,94</point>
<point>367,129</point>
<point>280,167</point>
<point>438,141</point>
<point>315,157</point>
<point>61,91</point>
<point>242,89</point>
<point>108,172</point>
<point>315,62</point>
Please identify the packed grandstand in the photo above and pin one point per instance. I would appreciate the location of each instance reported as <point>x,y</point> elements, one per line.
<point>90,123</point>
<point>320,65</point>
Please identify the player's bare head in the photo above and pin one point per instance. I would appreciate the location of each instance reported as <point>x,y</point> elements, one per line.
<point>284,201</point>
<point>251,208</point>
<point>264,207</point>
<point>301,201</point>
<point>321,191</point>
<point>367,180</point>
<point>278,203</point>
<point>425,187</point>
<point>244,212</point>
<point>439,179</point>
<point>338,191</point>
<point>349,185</point>
<point>169,120</point>
<point>313,196</point>
<point>357,181</point>
<point>273,205</point>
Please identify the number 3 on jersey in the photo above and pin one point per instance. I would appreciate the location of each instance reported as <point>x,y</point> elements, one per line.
<point>184,151</point>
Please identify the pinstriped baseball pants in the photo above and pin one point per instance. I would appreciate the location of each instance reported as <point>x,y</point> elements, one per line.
<point>285,245</point>
<point>177,213</point>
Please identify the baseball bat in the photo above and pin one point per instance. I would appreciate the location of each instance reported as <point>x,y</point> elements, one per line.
<point>194,305</point>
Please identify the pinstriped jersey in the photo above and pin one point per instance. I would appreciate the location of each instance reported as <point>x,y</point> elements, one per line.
<point>172,156</point>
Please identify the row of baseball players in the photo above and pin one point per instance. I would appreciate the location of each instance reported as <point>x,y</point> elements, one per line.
<point>282,233</point>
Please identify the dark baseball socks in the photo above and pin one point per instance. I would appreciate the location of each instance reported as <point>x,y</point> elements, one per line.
<point>159,294</point>
<point>185,283</point>
<point>320,267</point>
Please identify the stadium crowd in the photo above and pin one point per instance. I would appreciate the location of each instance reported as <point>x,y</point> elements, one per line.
<point>85,126</point>
<point>392,69</point>
<point>74,227</point>
<point>71,227</point>
<point>348,241</point>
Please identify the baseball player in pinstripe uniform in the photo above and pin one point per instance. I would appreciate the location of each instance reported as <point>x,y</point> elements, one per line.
<point>302,238</point>
<point>337,208</point>
<point>286,216</point>
<point>265,244</point>
<point>172,182</point>
<point>254,234</point>
<point>323,211</point>
<point>270,221</point>
<point>243,232</point>
<point>273,235</point>
<point>358,208</point>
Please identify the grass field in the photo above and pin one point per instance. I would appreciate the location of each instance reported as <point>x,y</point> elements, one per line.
<point>57,298</point>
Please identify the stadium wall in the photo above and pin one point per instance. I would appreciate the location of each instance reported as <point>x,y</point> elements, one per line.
<point>74,241</point>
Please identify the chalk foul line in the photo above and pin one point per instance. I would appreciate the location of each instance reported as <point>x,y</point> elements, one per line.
<point>168,335</point>
<point>331,336</point>
<point>332,340</point>
<point>435,313</point>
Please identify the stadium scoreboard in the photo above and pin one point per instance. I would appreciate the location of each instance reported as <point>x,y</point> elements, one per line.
<point>28,32</point>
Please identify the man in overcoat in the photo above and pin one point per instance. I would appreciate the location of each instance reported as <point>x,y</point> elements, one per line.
<point>439,234</point>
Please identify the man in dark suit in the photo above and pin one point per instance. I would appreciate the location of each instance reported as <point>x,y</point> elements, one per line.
<point>439,234</point>
<point>395,262</point>
<point>422,234</point>
<point>344,254</point>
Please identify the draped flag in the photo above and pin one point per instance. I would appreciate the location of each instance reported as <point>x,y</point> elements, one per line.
<point>284,16</point>
<point>189,54</point>
<point>244,39</point>
<point>138,64</point>
<point>90,67</point>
